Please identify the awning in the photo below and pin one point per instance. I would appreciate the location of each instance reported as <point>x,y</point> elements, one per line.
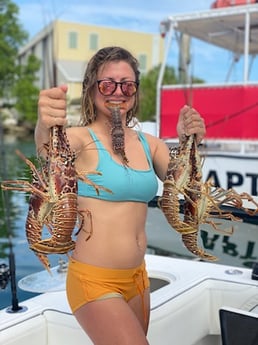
<point>232,28</point>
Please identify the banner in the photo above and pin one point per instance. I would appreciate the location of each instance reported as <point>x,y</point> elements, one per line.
<point>230,112</point>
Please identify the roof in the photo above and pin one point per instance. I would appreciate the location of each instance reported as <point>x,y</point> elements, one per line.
<point>228,28</point>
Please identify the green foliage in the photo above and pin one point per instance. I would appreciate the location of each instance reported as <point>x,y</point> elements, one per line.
<point>148,90</point>
<point>11,38</point>
<point>17,83</point>
<point>26,92</point>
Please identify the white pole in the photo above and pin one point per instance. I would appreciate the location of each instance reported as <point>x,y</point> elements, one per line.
<point>246,47</point>
<point>161,75</point>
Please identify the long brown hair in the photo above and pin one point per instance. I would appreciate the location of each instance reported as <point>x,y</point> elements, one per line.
<point>104,55</point>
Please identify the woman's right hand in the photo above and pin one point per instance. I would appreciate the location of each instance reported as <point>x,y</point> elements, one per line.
<point>51,112</point>
<point>52,107</point>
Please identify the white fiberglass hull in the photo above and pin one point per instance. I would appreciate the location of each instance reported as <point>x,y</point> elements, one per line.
<point>185,311</point>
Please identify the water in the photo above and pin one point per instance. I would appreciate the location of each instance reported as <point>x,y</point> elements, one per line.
<point>241,249</point>
<point>13,213</point>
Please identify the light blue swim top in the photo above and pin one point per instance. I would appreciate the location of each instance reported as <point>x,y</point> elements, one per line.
<point>126,184</point>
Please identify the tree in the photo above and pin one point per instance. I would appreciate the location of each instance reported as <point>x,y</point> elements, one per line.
<point>11,38</point>
<point>16,82</point>
<point>26,92</point>
<point>148,91</point>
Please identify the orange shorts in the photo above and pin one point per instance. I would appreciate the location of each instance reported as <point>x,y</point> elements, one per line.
<point>86,283</point>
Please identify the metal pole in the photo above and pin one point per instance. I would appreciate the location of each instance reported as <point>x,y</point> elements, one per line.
<point>170,31</point>
<point>15,305</point>
<point>246,47</point>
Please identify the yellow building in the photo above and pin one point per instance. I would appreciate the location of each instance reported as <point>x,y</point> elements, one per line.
<point>64,49</point>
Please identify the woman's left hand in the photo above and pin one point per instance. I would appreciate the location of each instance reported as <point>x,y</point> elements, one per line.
<point>190,122</point>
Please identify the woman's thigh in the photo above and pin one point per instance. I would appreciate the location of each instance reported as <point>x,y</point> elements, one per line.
<point>112,322</point>
<point>141,307</point>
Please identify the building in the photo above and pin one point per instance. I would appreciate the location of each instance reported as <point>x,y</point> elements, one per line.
<point>64,49</point>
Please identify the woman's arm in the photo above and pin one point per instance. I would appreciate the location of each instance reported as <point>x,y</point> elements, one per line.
<point>51,112</point>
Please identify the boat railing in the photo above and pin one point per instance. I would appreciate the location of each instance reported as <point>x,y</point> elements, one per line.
<point>223,146</point>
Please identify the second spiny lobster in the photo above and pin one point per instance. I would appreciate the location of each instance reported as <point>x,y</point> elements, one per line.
<point>117,131</point>
<point>202,201</point>
<point>53,198</point>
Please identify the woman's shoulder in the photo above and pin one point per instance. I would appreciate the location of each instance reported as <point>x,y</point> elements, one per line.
<point>156,144</point>
<point>152,139</point>
<point>78,136</point>
<point>78,131</point>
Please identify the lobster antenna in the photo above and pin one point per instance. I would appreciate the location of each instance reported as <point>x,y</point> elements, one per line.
<point>6,273</point>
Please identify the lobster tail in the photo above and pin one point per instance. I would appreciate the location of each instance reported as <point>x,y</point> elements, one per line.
<point>117,132</point>
<point>190,242</point>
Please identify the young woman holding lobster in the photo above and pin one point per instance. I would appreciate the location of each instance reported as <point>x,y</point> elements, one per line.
<point>107,283</point>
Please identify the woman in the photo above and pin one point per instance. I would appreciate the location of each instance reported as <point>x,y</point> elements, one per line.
<point>107,284</point>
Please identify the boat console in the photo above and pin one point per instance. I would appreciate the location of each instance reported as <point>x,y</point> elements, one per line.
<point>238,327</point>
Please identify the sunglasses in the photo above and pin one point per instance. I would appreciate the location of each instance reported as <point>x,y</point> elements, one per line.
<point>108,87</point>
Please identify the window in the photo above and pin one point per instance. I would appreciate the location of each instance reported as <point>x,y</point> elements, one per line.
<point>73,40</point>
<point>143,62</point>
<point>94,40</point>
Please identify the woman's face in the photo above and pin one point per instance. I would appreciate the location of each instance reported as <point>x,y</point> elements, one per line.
<point>118,71</point>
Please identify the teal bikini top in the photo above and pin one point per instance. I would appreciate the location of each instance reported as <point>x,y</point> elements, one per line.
<point>126,184</point>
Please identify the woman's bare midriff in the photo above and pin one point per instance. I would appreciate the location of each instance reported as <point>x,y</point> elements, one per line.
<point>118,238</point>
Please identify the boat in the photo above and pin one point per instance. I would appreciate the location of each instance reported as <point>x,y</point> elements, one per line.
<point>192,302</point>
<point>230,109</point>
<point>186,301</point>
<point>227,3</point>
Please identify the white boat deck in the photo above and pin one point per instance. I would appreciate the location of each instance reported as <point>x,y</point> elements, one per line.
<point>185,310</point>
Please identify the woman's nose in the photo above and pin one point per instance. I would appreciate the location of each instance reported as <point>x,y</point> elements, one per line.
<point>118,90</point>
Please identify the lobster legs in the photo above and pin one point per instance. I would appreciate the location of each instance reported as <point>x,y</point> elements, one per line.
<point>53,198</point>
<point>202,201</point>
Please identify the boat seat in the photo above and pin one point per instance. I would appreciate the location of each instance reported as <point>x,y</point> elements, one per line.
<point>238,327</point>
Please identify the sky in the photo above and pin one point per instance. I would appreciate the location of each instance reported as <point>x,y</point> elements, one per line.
<point>208,63</point>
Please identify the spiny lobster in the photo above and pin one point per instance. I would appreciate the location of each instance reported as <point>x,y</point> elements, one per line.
<point>202,200</point>
<point>117,131</point>
<point>53,199</point>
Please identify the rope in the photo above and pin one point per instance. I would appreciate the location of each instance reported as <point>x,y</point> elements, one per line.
<point>231,116</point>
